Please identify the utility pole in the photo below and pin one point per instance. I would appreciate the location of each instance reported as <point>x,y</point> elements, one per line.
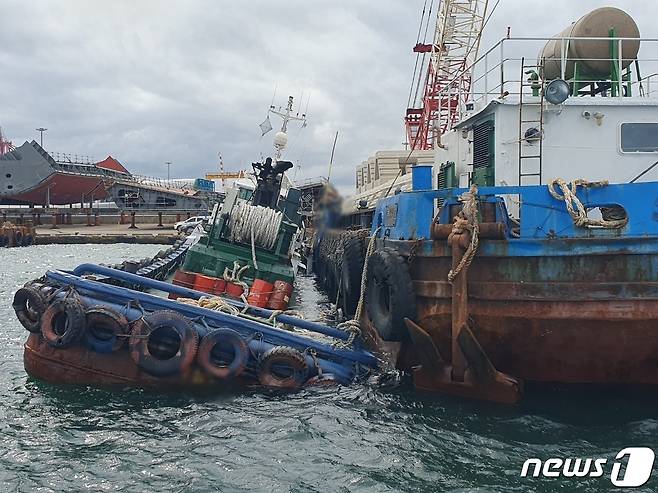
<point>41,130</point>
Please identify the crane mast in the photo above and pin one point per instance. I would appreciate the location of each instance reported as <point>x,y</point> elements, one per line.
<point>447,81</point>
<point>5,145</point>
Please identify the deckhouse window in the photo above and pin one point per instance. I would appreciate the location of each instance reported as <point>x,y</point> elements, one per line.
<point>639,137</point>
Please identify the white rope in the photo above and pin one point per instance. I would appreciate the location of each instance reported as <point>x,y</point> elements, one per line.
<point>576,208</point>
<point>254,223</point>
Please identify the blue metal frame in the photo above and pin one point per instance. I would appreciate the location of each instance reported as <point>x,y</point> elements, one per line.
<point>408,215</point>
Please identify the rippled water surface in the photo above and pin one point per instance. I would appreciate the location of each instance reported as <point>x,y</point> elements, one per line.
<point>362,438</point>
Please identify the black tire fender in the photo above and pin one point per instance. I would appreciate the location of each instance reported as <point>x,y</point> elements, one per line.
<point>389,294</point>
<point>228,337</point>
<point>29,305</point>
<point>164,343</point>
<point>106,329</point>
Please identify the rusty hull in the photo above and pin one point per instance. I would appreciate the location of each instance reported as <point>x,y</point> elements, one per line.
<point>568,319</point>
<point>80,366</point>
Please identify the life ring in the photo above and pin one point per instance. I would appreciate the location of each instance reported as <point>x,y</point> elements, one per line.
<point>389,294</point>
<point>283,367</point>
<point>350,275</point>
<point>223,353</point>
<point>28,240</point>
<point>29,305</point>
<point>164,343</point>
<point>105,329</point>
<point>63,322</point>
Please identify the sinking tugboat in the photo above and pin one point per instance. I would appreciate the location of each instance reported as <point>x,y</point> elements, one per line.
<point>87,331</point>
<point>490,272</point>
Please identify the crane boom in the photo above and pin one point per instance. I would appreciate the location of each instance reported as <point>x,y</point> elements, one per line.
<point>447,82</point>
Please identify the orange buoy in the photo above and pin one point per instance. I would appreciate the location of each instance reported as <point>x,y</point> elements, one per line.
<point>204,283</point>
<point>280,295</point>
<point>234,290</point>
<point>219,287</point>
<point>260,293</point>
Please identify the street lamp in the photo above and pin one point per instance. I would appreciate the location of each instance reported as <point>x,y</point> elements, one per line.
<point>41,130</point>
<point>168,163</point>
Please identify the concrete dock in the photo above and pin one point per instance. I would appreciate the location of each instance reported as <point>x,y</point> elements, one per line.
<point>107,233</point>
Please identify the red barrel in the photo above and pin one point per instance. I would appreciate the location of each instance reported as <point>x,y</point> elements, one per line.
<point>234,290</point>
<point>260,293</point>
<point>280,295</point>
<point>219,287</point>
<point>183,279</point>
<point>204,283</point>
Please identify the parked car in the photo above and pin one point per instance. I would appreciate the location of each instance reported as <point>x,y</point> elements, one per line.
<point>189,224</point>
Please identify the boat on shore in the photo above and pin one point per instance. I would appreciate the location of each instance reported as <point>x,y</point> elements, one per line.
<point>489,271</point>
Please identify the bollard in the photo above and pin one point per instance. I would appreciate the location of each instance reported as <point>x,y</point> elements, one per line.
<point>132,221</point>
<point>122,218</point>
<point>97,219</point>
<point>160,220</point>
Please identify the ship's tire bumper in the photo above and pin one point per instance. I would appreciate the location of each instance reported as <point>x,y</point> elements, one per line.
<point>164,343</point>
<point>389,294</point>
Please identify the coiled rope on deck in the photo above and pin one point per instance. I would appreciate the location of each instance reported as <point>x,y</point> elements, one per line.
<point>254,224</point>
<point>576,208</point>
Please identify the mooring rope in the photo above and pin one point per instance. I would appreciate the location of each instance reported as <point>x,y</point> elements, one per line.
<point>579,213</point>
<point>466,220</point>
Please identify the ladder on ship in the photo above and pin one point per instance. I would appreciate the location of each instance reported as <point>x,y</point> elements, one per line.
<point>531,126</point>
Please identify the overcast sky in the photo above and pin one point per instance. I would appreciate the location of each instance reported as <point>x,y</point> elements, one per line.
<point>150,81</point>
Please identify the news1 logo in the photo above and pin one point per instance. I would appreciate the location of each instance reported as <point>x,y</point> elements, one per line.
<point>637,471</point>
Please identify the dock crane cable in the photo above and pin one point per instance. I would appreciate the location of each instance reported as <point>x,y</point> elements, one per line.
<point>418,56</point>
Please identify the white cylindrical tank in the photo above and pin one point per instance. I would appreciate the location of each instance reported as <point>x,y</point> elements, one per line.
<point>593,56</point>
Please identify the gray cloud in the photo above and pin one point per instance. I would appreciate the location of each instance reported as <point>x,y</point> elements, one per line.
<point>153,81</point>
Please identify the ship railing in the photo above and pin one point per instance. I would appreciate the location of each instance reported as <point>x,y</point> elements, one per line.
<point>505,70</point>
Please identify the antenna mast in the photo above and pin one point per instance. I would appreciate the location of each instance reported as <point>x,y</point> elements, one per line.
<point>281,137</point>
<point>448,79</point>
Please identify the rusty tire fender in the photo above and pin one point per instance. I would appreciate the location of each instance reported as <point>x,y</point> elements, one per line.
<point>63,322</point>
<point>142,336</point>
<point>290,360</point>
<point>231,338</point>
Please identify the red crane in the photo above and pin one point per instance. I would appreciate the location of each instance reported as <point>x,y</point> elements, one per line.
<point>446,83</point>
